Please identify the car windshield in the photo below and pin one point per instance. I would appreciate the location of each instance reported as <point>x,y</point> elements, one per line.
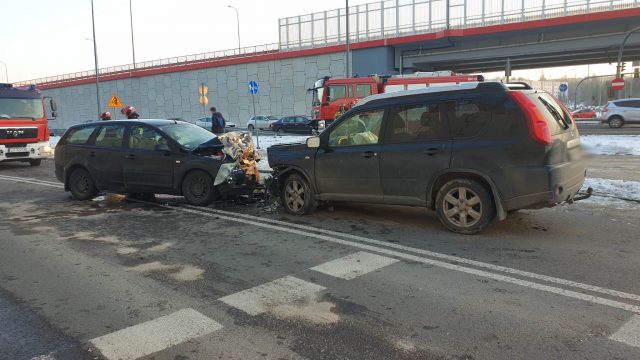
<point>187,135</point>
<point>272,118</point>
<point>12,108</point>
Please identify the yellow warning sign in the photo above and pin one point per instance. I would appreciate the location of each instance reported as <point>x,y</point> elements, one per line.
<point>203,89</point>
<point>115,101</point>
<point>204,100</point>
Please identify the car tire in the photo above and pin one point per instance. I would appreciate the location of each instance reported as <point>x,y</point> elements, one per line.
<point>198,189</point>
<point>250,127</point>
<point>35,162</point>
<point>465,206</point>
<point>616,122</point>
<point>297,196</point>
<point>81,185</point>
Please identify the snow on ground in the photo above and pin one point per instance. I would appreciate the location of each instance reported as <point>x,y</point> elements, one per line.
<point>613,192</point>
<point>611,144</point>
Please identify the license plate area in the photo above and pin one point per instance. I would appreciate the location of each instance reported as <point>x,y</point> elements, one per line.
<point>17,150</point>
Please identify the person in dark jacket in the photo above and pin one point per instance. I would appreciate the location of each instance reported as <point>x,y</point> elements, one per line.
<point>218,122</point>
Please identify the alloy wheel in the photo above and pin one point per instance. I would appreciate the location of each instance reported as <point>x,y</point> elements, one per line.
<point>462,207</point>
<point>294,195</point>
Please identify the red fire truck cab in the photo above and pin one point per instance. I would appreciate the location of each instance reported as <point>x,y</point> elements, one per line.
<point>330,95</point>
<point>24,132</point>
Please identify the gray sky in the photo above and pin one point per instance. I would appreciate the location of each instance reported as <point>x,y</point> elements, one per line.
<point>48,37</point>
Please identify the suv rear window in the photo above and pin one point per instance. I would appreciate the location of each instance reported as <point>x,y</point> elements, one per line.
<point>557,118</point>
<point>79,136</point>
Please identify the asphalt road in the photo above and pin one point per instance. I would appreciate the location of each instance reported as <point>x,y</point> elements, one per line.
<point>123,279</point>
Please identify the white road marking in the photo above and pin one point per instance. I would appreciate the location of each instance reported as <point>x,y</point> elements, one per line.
<point>259,299</point>
<point>457,259</point>
<point>291,228</point>
<point>629,333</point>
<point>31,179</point>
<point>155,335</point>
<point>35,182</point>
<point>354,265</point>
<point>451,266</point>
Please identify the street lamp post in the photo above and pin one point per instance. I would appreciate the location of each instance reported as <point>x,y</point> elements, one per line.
<point>95,57</point>
<point>6,70</point>
<point>347,42</point>
<point>238,22</point>
<point>620,51</point>
<point>133,47</point>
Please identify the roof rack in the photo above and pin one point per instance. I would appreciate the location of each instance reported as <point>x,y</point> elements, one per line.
<point>518,85</point>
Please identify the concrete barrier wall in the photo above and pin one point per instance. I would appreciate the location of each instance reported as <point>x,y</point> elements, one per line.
<point>282,91</point>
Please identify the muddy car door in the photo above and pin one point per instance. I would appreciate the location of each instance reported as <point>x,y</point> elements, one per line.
<point>105,156</point>
<point>347,164</point>
<point>148,163</point>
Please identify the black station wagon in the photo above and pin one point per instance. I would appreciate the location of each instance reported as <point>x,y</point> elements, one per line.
<point>468,151</point>
<point>141,158</point>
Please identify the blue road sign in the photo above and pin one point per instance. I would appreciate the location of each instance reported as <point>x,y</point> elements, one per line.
<point>564,87</point>
<point>253,87</point>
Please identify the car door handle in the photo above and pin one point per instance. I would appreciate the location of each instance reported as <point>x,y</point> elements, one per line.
<point>92,154</point>
<point>130,157</point>
<point>368,154</point>
<point>432,151</point>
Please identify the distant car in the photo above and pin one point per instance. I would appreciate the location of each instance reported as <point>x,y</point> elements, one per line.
<point>619,112</point>
<point>261,122</point>
<point>142,158</point>
<point>584,114</point>
<point>295,124</point>
<point>205,123</point>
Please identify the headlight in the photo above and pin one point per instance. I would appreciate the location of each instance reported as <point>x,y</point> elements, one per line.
<point>46,149</point>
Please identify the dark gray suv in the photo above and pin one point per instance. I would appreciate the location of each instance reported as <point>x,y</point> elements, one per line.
<point>468,151</point>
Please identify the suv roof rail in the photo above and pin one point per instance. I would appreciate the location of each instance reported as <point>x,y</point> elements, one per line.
<point>518,85</point>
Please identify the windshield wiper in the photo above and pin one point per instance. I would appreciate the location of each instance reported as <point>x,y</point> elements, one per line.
<point>556,115</point>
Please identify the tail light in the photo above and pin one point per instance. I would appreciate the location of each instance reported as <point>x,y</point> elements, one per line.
<point>536,122</point>
<point>606,108</point>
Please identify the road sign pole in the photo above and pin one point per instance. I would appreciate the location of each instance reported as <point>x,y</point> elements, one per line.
<point>253,100</point>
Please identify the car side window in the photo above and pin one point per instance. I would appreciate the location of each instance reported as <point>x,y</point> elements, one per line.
<point>359,129</point>
<point>300,120</point>
<point>420,122</point>
<point>145,138</point>
<point>363,91</point>
<point>336,92</point>
<point>467,117</point>
<point>110,136</point>
<point>80,136</point>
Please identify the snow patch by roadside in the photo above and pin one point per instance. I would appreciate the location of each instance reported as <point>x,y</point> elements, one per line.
<point>611,144</point>
<point>613,192</point>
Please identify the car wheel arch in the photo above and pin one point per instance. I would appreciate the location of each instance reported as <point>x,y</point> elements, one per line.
<point>451,174</point>
<point>186,173</point>
<point>70,170</point>
<point>285,172</point>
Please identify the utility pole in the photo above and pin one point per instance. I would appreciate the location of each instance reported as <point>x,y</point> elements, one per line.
<point>95,57</point>
<point>133,47</point>
<point>347,54</point>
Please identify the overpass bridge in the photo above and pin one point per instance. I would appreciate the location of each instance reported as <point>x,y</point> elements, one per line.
<point>387,37</point>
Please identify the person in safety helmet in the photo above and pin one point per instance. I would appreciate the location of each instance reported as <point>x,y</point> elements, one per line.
<point>130,112</point>
<point>105,116</point>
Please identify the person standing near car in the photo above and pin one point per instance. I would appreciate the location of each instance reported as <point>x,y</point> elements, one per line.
<point>218,122</point>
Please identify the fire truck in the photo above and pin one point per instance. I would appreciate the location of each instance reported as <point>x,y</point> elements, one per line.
<point>24,132</point>
<point>330,95</point>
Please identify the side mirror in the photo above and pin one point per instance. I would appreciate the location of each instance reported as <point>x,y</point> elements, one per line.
<point>54,106</point>
<point>162,147</point>
<point>313,142</point>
